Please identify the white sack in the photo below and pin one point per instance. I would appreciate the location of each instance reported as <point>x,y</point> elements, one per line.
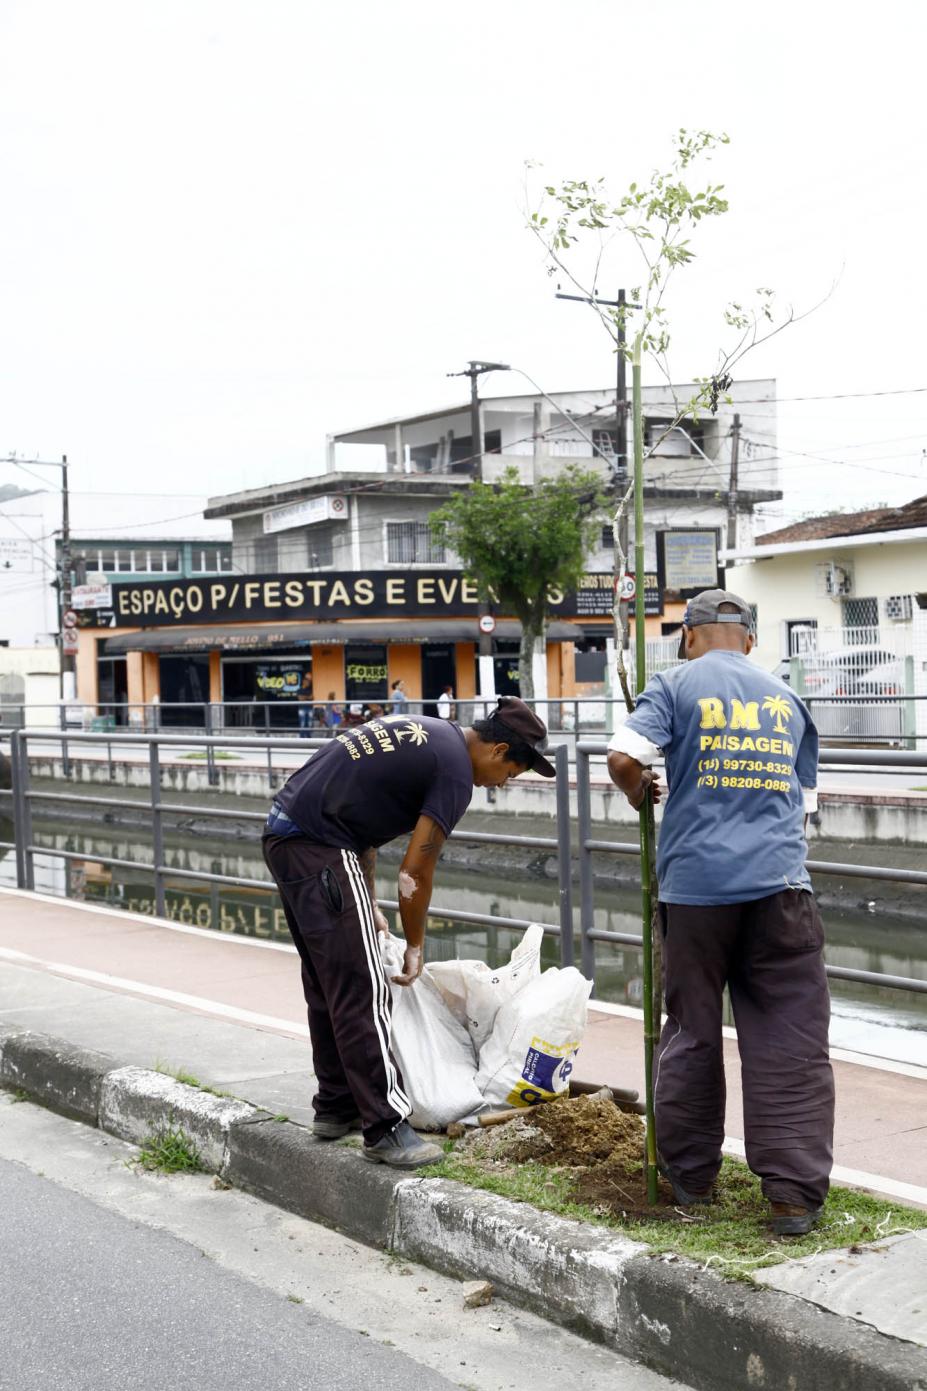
<point>529,1055</point>
<point>432,1048</point>
<point>475,992</point>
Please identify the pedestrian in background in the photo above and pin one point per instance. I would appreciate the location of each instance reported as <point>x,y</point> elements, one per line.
<point>305,712</point>
<point>333,712</point>
<point>398,699</point>
<point>446,709</point>
<point>736,909</point>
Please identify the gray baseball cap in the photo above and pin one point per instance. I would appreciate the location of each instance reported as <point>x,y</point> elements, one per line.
<point>704,609</point>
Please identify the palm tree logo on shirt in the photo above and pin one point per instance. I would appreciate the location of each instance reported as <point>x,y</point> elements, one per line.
<point>414,732</point>
<point>780,709</point>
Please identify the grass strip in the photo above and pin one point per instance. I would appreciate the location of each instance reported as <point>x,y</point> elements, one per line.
<point>730,1235</point>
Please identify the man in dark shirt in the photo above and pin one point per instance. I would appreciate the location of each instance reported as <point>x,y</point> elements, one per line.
<point>393,776</point>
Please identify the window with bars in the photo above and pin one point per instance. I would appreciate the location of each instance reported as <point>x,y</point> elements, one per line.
<point>411,543</point>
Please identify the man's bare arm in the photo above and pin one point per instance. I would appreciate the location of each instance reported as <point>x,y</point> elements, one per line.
<point>416,877</point>
<point>368,863</point>
<point>632,778</point>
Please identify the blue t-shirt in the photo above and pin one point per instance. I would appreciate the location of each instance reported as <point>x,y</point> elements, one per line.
<point>739,748</point>
<point>371,783</point>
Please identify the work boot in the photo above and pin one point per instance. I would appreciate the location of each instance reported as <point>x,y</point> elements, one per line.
<point>401,1148</point>
<point>329,1128</point>
<point>788,1219</point>
<point>684,1197</point>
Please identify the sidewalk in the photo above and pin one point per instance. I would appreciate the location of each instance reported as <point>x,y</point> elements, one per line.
<point>881,1108</point>
<point>229,1011</point>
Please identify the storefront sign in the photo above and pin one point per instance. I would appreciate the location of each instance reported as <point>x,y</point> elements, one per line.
<point>329,596</point>
<point>690,559</point>
<point>92,596</point>
<point>279,680</point>
<point>331,507</point>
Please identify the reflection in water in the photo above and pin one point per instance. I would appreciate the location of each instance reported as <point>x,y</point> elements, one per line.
<point>886,1023</point>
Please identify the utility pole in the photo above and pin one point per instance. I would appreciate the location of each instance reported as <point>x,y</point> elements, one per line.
<point>474,371</point>
<point>732,488</point>
<point>621,462</point>
<point>68,662</point>
<point>620,479</point>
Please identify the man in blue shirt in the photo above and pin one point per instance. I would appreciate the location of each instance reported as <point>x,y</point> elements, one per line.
<point>737,909</point>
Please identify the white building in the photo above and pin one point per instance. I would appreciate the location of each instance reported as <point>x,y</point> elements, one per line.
<point>687,475</point>
<point>112,533</point>
<point>842,598</point>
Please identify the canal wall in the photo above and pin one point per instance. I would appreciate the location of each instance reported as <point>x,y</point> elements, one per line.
<point>850,815</point>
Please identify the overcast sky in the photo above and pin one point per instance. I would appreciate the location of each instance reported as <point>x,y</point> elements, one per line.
<point>230,228</point>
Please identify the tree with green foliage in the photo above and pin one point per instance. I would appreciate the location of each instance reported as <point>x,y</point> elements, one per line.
<point>521,543</point>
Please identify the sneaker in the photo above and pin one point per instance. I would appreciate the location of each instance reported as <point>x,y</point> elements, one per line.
<point>328,1128</point>
<point>788,1219</point>
<point>401,1148</point>
<point>685,1197</point>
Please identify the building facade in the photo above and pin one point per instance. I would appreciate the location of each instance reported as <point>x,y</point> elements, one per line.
<point>337,585</point>
<point>841,605</point>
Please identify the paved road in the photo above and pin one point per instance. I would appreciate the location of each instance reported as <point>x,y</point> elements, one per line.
<point>114,1278</point>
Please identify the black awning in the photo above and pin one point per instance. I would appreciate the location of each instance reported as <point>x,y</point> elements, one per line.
<point>265,637</point>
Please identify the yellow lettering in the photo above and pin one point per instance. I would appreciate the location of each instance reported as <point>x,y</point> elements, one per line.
<point>712,713</point>
<point>706,741</point>
<point>470,592</point>
<point>426,590</point>
<point>747,743</point>
<point>160,604</point>
<point>762,746</point>
<point>252,590</point>
<point>294,594</point>
<point>123,603</point>
<point>314,586</point>
<point>447,588</point>
<point>272,594</point>
<point>733,742</point>
<point>363,592</point>
<point>775,745</point>
<point>217,593</point>
<point>136,601</point>
<point>395,590</point>
<point>194,598</point>
<point>745,716</point>
<point>339,594</point>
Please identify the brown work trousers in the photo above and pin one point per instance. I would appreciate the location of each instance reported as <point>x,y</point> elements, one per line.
<point>769,953</point>
<point>330,916</point>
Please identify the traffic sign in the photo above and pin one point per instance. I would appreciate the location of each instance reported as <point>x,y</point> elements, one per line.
<point>69,641</point>
<point>70,619</point>
<point>487,623</point>
<point>628,587</point>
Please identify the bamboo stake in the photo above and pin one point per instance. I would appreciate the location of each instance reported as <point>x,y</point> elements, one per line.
<point>647,835</point>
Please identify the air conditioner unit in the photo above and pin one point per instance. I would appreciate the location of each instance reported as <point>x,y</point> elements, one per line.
<point>838,582</point>
<point>899,607</point>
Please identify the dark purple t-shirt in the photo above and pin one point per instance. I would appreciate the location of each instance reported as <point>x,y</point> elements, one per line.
<point>373,782</point>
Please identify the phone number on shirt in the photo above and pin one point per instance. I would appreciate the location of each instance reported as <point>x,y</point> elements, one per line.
<point>760,784</point>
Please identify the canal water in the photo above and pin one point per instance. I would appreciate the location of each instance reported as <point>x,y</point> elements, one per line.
<point>881,1022</point>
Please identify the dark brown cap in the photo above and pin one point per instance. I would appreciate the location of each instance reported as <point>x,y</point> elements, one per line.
<point>522,720</point>
<point>705,608</point>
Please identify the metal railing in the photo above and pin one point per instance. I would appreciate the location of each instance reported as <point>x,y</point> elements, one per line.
<point>23,796</point>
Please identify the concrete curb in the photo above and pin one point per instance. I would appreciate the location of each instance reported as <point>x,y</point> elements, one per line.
<point>669,1314</point>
